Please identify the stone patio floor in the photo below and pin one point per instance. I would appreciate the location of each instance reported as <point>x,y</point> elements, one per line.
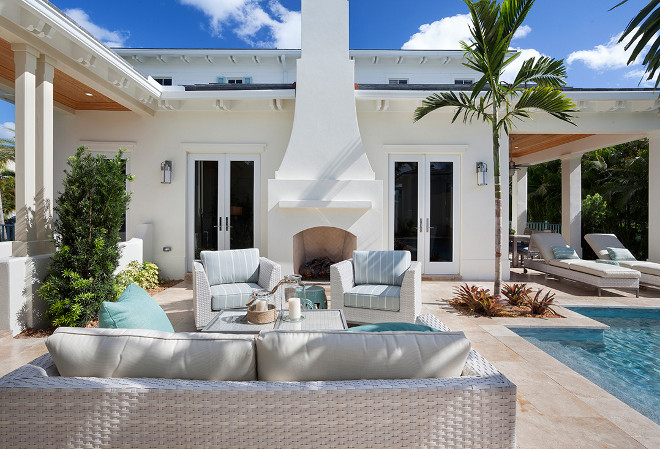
<point>557,408</point>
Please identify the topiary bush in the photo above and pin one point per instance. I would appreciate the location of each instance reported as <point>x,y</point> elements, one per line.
<point>90,213</point>
<point>143,274</point>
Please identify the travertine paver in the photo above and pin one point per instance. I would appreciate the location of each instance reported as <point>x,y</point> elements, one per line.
<point>557,408</point>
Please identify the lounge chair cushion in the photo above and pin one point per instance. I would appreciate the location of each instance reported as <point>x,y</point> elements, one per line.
<point>564,252</point>
<point>375,297</point>
<point>231,266</point>
<point>95,352</point>
<point>231,296</point>
<point>135,309</point>
<point>600,242</point>
<point>620,254</point>
<point>596,269</point>
<point>299,356</point>
<point>608,262</point>
<point>380,267</point>
<point>392,327</point>
<point>651,268</point>
<point>544,241</point>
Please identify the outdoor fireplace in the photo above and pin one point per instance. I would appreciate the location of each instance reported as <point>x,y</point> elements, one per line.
<point>315,249</point>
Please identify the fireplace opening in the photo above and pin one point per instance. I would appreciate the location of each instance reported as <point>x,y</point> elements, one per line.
<point>315,249</point>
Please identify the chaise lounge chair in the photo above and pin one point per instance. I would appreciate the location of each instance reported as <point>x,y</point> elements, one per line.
<point>608,247</point>
<point>560,260</point>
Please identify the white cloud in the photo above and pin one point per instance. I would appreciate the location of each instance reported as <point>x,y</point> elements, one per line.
<point>109,38</point>
<point>523,31</point>
<point>512,70</point>
<point>641,76</point>
<point>609,56</point>
<point>248,17</point>
<point>444,34</point>
<point>6,130</point>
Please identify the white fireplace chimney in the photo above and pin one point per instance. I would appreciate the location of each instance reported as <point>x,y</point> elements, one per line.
<point>325,140</point>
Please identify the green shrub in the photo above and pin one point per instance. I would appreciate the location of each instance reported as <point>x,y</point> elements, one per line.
<point>90,213</point>
<point>478,300</point>
<point>143,274</point>
<point>516,294</point>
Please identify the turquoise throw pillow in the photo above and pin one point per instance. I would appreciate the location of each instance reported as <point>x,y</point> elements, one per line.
<point>608,262</point>
<point>620,254</point>
<point>564,252</point>
<point>386,327</point>
<point>134,309</point>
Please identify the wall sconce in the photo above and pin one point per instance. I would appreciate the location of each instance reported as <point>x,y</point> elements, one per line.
<point>166,172</point>
<point>482,174</point>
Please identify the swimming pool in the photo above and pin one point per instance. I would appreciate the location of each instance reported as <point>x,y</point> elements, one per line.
<point>624,359</point>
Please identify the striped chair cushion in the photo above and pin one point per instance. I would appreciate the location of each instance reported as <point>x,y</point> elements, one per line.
<point>620,254</point>
<point>228,267</point>
<point>231,296</point>
<point>380,267</point>
<point>564,252</point>
<point>376,297</point>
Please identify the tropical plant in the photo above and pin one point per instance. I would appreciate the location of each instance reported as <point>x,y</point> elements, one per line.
<point>643,30</point>
<point>90,213</point>
<point>539,303</point>
<point>143,274</point>
<point>478,300</point>
<point>492,99</point>
<point>7,176</point>
<point>516,294</point>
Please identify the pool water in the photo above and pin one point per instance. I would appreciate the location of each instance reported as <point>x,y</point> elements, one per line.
<point>624,359</point>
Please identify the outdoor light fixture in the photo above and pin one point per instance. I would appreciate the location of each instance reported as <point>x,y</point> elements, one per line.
<point>482,176</point>
<point>166,172</point>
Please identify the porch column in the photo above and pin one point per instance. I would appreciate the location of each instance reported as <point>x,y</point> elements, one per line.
<point>654,194</point>
<point>571,201</point>
<point>44,151</point>
<point>519,200</point>
<point>25,60</point>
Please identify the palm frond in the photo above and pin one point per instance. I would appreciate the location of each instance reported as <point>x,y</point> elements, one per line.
<point>544,71</point>
<point>540,98</point>
<point>462,103</point>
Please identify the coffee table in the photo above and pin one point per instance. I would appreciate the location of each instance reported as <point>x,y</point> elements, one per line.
<point>228,322</point>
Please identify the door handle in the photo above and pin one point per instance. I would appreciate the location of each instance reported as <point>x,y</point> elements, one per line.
<point>428,225</point>
<point>421,225</point>
<point>227,223</point>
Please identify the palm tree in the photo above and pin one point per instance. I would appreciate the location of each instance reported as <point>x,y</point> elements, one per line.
<point>493,27</point>
<point>647,33</point>
<point>6,155</point>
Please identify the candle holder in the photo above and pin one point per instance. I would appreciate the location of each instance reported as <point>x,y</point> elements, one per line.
<point>263,315</point>
<point>291,308</point>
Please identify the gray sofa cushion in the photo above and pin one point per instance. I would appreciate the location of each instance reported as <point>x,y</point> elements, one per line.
<point>298,356</point>
<point>231,296</point>
<point>98,352</point>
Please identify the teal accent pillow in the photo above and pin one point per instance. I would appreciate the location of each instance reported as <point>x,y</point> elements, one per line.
<point>620,254</point>
<point>387,327</point>
<point>608,262</point>
<point>564,252</point>
<point>134,309</point>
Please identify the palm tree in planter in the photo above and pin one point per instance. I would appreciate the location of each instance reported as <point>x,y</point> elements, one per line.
<point>536,87</point>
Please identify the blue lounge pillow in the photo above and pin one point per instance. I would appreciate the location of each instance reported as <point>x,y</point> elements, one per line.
<point>608,262</point>
<point>564,252</point>
<point>386,327</point>
<point>620,254</point>
<point>134,309</point>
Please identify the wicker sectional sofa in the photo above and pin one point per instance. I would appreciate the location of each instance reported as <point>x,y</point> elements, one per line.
<point>38,408</point>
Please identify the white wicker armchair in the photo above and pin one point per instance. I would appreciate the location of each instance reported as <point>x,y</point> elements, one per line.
<point>342,280</point>
<point>270,274</point>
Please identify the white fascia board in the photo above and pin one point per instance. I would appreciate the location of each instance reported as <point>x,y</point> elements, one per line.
<point>75,33</point>
<point>393,94</point>
<point>412,53</point>
<point>283,94</point>
<point>612,95</point>
<point>153,52</point>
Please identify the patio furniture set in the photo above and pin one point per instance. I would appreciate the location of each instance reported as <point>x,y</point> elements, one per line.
<point>307,384</point>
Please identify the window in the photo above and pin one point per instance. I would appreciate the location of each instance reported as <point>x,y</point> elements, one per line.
<point>234,80</point>
<point>398,81</point>
<point>464,81</point>
<point>163,81</point>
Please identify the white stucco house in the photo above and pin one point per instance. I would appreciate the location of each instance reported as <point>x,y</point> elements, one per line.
<point>300,153</point>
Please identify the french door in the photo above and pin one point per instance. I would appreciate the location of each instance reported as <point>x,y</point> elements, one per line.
<point>223,202</point>
<point>424,210</point>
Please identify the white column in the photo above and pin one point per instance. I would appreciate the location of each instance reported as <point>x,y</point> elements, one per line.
<point>571,201</point>
<point>44,147</point>
<point>654,194</point>
<point>25,60</point>
<point>519,200</point>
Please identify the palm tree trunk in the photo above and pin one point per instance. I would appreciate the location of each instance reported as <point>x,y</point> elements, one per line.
<point>498,206</point>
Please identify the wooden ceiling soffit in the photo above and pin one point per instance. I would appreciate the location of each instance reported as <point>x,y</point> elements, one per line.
<point>525,144</point>
<point>66,89</point>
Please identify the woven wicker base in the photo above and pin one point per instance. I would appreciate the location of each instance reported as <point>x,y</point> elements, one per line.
<point>262,317</point>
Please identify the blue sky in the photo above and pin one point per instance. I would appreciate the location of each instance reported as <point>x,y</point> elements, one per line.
<point>581,31</point>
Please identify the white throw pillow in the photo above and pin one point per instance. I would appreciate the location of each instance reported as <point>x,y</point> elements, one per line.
<point>97,352</point>
<point>296,356</point>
